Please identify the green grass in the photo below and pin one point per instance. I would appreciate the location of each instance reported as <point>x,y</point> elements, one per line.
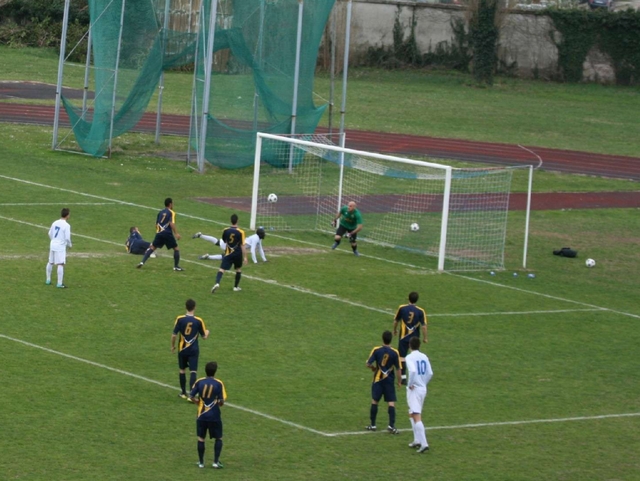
<point>504,349</point>
<point>585,117</point>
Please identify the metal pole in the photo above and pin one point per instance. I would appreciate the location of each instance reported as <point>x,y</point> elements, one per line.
<point>256,96</point>
<point>207,84</point>
<point>526,227</point>
<point>343,106</point>
<point>63,43</point>
<point>161,82</point>
<point>345,70</point>
<point>115,76</point>
<point>332,68</point>
<point>87,65</point>
<point>194,111</point>
<point>296,77</point>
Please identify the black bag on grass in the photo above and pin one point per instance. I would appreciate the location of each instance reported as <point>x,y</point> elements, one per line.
<point>566,252</point>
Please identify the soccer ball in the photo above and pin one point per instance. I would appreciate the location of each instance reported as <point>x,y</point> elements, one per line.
<point>415,227</point>
<point>272,198</point>
<point>590,263</point>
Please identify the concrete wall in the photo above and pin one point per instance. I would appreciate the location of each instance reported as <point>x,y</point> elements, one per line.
<point>524,36</point>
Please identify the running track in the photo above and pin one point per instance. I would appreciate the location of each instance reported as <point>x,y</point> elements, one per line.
<point>614,166</point>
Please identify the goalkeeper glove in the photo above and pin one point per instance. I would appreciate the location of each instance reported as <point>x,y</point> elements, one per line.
<point>334,223</point>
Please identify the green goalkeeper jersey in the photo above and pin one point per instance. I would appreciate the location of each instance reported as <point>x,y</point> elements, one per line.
<point>350,220</point>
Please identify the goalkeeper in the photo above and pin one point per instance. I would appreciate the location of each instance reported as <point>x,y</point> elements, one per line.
<point>348,222</point>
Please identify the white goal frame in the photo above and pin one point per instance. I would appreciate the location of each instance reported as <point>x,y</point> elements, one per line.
<point>447,175</point>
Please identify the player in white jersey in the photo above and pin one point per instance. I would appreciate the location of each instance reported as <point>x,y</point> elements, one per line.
<point>420,374</point>
<point>253,242</point>
<point>60,235</point>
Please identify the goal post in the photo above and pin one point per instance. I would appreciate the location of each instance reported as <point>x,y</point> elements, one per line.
<point>457,215</point>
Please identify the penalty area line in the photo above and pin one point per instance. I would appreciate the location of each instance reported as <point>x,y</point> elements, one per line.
<point>331,297</point>
<point>501,423</point>
<point>157,383</point>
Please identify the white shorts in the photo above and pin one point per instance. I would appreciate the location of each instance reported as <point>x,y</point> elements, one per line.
<point>57,257</point>
<point>415,399</point>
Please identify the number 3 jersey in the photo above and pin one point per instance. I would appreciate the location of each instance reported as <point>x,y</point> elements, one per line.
<point>189,328</point>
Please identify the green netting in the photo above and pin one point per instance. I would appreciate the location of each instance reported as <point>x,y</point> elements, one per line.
<point>253,83</point>
<point>251,91</point>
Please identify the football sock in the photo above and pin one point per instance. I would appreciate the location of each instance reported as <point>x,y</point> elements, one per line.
<point>420,434</point>
<point>219,277</point>
<point>216,257</point>
<point>238,276</point>
<point>183,382</point>
<point>373,414</point>
<point>192,380</point>
<point>337,243</point>
<point>392,416</point>
<point>49,270</point>
<point>413,428</point>
<point>354,247</point>
<point>60,274</point>
<point>146,255</point>
<point>201,451</point>
<point>217,450</point>
<point>210,238</point>
<point>176,257</point>
<point>404,374</point>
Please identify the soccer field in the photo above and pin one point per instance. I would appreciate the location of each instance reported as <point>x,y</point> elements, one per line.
<point>534,378</point>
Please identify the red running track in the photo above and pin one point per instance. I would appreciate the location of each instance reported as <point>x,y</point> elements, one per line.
<point>553,159</point>
<point>615,166</point>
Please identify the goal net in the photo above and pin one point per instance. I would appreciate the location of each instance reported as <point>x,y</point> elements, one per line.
<point>458,215</point>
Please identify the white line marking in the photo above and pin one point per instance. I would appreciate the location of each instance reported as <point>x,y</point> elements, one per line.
<point>157,383</point>
<point>332,297</point>
<point>115,201</point>
<point>57,203</point>
<point>548,296</point>
<point>381,259</point>
<point>305,428</point>
<point>503,423</point>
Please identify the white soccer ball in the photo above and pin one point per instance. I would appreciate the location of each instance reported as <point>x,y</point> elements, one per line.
<point>272,198</point>
<point>415,227</point>
<point>590,263</point>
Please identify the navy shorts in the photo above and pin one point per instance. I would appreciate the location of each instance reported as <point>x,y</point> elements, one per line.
<point>189,360</point>
<point>164,240</point>
<point>214,428</point>
<point>383,388</point>
<point>343,230</point>
<point>403,347</point>
<point>139,247</point>
<point>232,260</point>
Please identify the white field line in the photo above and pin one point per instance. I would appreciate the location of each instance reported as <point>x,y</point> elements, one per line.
<point>330,296</point>
<point>115,201</point>
<point>548,296</point>
<point>502,423</point>
<point>55,203</point>
<point>152,381</point>
<point>300,426</point>
<point>320,245</point>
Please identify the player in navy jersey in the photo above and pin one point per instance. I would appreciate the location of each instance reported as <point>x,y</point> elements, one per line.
<point>188,328</point>
<point>235,253</point>
<point>209,394</point>
<point>383,360</point>
<point>135,243</point>
<point>411,318</point>
<point>166,235</point>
